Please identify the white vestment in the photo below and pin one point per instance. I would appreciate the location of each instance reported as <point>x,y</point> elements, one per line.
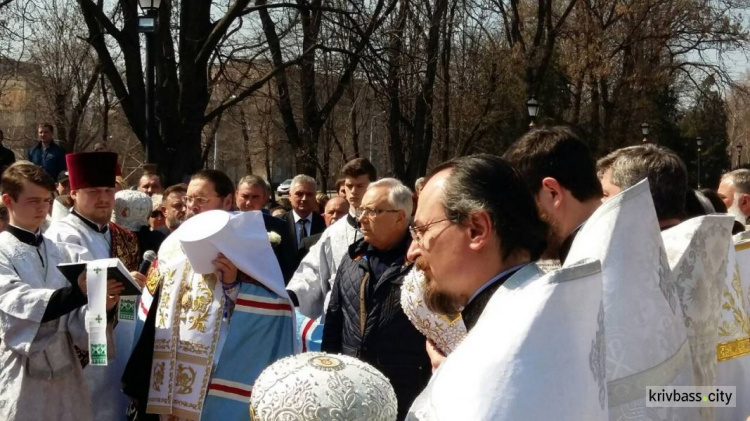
<point>645,333</point>
<point>40,375</point>
<point>536,353</point>
<point>313,279</point>
<point>110,403</point>
<point>697,250</point>
<point>733,342</point>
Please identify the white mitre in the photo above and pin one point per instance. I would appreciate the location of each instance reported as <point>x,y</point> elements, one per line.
<point>444,331</point>
<point>241,237</point>
<point>646,339</point>
<point>318,386</point>
<point>132,209</point>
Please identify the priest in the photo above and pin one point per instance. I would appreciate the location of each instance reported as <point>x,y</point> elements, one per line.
<point>92,187</point>
<point>214,324</point>
<point>42,316</point>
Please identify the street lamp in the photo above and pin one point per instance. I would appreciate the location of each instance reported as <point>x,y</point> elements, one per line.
<point>645,129</point>
<point>699,142</point>
<point>147,25</point>
<point>739,155</point>
<point>532,106</point>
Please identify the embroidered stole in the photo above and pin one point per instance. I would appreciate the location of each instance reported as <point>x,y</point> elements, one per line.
<point>124,246</point>
<point>261,332</point>
<point>188,322</point>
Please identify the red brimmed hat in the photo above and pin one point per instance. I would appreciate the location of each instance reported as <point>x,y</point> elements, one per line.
<point>91,169</point>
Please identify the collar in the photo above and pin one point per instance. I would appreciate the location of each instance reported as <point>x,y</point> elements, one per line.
<point>495,279</point>
<point>565,246</point>
<point>352,221</point>
<point>297,217</point>
<point>91,224</point>
<point>26,236</point>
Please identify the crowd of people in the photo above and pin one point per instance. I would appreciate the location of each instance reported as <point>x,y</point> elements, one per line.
<point>540,284</point>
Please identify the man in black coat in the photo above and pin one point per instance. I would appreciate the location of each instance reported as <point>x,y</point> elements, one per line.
<point>302,222</point>
<point>372,273</point>
<point>7,157</point>
<point>252,195</point>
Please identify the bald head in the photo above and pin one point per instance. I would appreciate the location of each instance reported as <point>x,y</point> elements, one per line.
<point>336,208</point>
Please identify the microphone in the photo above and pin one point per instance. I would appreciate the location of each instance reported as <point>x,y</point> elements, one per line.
<point>148,258</point>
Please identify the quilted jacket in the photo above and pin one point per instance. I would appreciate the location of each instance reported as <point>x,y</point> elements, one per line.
<point>365,320</point>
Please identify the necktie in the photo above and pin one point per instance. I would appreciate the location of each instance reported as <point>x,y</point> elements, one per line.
<point>302,229</point>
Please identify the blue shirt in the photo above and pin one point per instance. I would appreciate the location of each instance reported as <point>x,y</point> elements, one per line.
<point>52,159</point>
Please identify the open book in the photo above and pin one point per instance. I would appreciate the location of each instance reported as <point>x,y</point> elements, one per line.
<point>115,270</point>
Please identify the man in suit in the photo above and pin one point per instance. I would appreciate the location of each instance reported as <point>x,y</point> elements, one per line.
<point>252,195</point>
<point>302,221</point>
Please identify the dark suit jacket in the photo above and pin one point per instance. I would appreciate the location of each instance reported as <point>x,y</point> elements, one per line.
<point>306,245</point>
<point>318,226</point>
<point>286,251</point>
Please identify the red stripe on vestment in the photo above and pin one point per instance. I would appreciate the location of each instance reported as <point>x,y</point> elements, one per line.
<point>260,304</point>
<point>308,325</point>
<point>230,389</point>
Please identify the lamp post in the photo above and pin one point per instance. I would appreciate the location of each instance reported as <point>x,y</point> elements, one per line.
<point>739,155</point>
<point>645,129</point>
<point>532,106</point>
<point>147,24</point>
<point>699,143</point>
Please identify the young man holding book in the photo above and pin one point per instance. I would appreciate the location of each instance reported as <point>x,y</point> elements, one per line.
<point>42,315</point>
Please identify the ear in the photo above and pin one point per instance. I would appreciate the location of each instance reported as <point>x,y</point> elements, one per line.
<point>73,194</point>
<point>163,210</point>
<point>228,202</point>
<point>552,191</point>
<point>744,204</point>
<point>6,200</point>
<point>480,229</point>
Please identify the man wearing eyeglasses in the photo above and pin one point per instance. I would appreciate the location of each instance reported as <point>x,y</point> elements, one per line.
<point>476,228</point>
<point>364,317</point>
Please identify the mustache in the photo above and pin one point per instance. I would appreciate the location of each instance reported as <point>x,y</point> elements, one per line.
<point>436,300</point>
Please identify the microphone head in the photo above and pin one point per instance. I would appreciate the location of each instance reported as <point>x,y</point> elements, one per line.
<point>149,256</point>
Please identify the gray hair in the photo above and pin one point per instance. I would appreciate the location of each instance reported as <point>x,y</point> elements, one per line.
<point>254,180</point>
<point>303,179</point>
<point>741,180</point>
<point>666,173</point>
<point>399,196</point>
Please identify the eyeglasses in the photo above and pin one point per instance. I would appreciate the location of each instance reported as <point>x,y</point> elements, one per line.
<point>200,201</point>
<point>362,212</point>
<point>417,233</point>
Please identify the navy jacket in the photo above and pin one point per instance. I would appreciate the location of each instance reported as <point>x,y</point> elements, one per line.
<point>51,160</point>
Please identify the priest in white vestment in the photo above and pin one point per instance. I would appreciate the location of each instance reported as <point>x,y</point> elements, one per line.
<point>645,333</point>
<point>42,316</point>
<point>92,181</point>
<point>474,239</point>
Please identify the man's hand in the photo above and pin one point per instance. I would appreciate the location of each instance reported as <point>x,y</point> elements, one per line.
<point>436,355</point>
<point>114,289</point>
<point>227,270</point>
<point>82,282</point>
<point>140,278</point>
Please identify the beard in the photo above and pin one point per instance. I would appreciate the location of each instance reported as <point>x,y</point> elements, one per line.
<point>437,301</point>
<point>554,242</point>
<point>173,223</point>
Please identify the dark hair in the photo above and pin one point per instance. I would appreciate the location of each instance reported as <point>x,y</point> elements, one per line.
<point>666,173</point>
<point>358,167</point>
<point>255,180</point>
<point>488,183</point>
<point>14,176</point>
<point>46,126</point>
<point>177,188</point>
<point>222,183</point>
<point>3,212</point>
<point>559,153</point>
<point>715,199</point>
<point>693,205</point>
<point>340,182</point>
